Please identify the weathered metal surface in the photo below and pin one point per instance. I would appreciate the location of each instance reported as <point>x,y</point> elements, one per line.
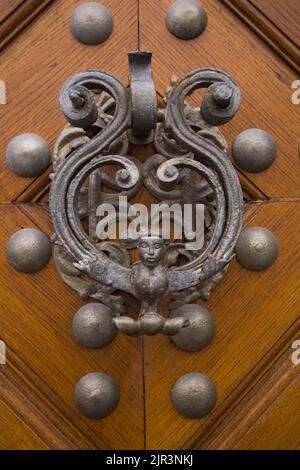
<point>200,331</point>
<point>93,325</point>
<point>28,155</point>
<point>187,144</point>
<point>91,23</point>
<point>143,97</point>
<point>257,248</point>
<point>29,250</point>
<point>254,150</point>
<point>194,395</point>
<point>97,395</point>
<point>186,19</point>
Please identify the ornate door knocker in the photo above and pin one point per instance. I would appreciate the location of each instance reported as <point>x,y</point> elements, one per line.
<point>186,142</point>
<point>190,167</point>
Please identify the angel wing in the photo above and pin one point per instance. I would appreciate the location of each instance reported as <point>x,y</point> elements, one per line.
<point>179,280</point>
<point>183,279</point>
<point>107,272</point>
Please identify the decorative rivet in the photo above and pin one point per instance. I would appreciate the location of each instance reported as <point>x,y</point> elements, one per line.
<point>201,327</point>
<point>91,23</point>
<point>93,325</point>
<point>97,395</point>
<point>171,171</point>
<point>257,248</point>
<point>123,175</point>
<point>186,19</point>
<point>76,98</point>
<point>28,155</point>
<point>222,94</point>
<point>28,250</point>
<point>194,395</point>
<point>254,150</point>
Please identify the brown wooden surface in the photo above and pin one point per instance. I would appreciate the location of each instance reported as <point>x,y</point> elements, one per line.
<point>43,358</point>
<point>252,311</point>
<point>8,7</point>
<point>276,38</point>
<point>268,417</point>
<point>285,15</point>
<point>35,65</point>
<point>36,312</point>
<point>264,79</point>
<point>257,314</point>
<point>16,15</point>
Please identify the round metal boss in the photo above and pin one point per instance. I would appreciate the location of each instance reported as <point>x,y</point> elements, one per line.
<point>194,395</point>
<point>28,155</point>
<point>97,395</point>
<point>91,23</point>
<point>186,19</point>
<point>200,330</point>
<point>254,150</point>
<point>257,248</point>
<point>93,325</point>
<point>28,250</point>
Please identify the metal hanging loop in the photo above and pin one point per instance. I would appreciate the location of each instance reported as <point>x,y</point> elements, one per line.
<point>143,97</point>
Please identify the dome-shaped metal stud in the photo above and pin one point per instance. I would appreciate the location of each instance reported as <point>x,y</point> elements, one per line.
<point>91,23</point>
<point>28,250</point>
<point>186,19</point>
<point>28,155</point>
<point>93,325</point>
<point>194,395</point>
<point>200,330</point>
<point>97,395</point>
<point>254,150</point>
<point>257,248</point>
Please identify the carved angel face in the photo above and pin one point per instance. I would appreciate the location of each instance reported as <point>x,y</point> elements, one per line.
<point>151,250</point>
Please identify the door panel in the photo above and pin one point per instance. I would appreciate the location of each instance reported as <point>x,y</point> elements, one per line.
<point>226,44</point>
<point>250,320</point>
<point>7,7</point>
<point>285,15</point>
<point>35,65</point>
<point>256,314</point>
<point>249,325</point>
<point>267,417</point>
<point>36,312</point>
<point>43,357</point>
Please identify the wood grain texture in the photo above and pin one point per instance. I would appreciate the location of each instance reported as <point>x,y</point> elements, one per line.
<point>252,311</point>
<point>7,7</point>
<point>265,82</point>
<point>26,418</point>
<point>269,31</point>
<point>37,63</point>
<point>284,14</point>
<point>15,434</point>
<point>268,416</point>
<point>257,314</point>
<point>16,15</point>
<point>35,316</point>
<point>278,427</point>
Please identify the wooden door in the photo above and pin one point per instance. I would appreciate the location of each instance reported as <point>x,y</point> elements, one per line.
<point>257,315</point>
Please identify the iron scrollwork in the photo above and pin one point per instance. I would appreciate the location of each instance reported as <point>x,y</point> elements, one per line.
<point>186,143</point>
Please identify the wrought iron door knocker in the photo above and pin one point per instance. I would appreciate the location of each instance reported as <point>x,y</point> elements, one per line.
<point>190,166</point>
<point>186,143</point>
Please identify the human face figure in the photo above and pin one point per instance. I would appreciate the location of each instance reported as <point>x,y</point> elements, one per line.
<point>151,250</point>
